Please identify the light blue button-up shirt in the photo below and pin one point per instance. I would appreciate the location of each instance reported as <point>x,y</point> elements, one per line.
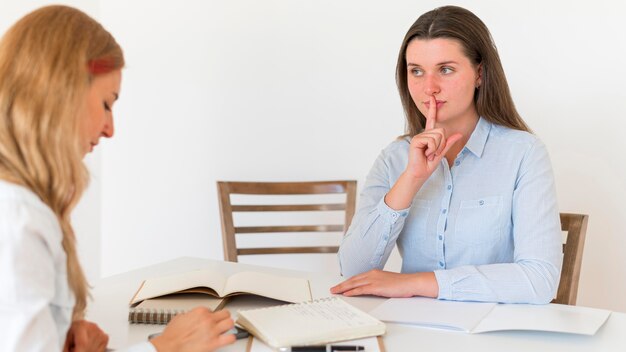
<point>488,227</point>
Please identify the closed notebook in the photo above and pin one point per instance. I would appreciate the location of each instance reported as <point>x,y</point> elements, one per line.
<point>474,317</point>
<point>162,309</point>
<point>321,321</point>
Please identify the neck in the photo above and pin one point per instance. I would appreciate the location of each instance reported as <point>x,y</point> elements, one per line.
<point>463,126</point>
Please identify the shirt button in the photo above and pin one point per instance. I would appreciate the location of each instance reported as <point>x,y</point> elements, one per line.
<point>440,237</point>
<point>457,163</point>
<point>481,202</point>
<point>441,264</point>
<point>449,187</point>
<point>394,215</point>
<point>444,211</point>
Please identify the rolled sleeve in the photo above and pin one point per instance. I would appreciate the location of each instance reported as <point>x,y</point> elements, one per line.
<point>375,227</point>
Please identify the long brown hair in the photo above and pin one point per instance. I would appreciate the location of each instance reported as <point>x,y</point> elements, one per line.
<point>493,98</point>
<point>47,61</point>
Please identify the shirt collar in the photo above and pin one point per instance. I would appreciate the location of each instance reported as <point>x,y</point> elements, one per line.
<point>478,139</point>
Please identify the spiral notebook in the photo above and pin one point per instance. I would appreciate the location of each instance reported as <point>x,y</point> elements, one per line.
<point>162,309</point>
<point>310,323</point>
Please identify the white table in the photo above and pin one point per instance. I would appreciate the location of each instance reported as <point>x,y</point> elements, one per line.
<point>111,296</point>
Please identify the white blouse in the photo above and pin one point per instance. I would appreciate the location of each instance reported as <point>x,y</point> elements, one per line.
<point>36,302</point>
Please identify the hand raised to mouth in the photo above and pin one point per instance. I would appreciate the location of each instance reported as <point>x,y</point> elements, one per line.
<point>429,147</point>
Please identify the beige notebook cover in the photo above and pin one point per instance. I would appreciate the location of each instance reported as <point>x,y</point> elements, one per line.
<point>318,322</point>
<point>213,283</point>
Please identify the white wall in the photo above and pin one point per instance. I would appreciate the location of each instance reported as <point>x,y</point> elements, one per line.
<point>304,90</point>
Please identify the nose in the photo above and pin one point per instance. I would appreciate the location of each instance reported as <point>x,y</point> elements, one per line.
<point>109,128</point>
<point>431,86</point>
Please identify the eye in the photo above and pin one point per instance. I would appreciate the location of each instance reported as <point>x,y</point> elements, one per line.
<point>416,72</point>
<point>446,70</point>
<point>106,106</point>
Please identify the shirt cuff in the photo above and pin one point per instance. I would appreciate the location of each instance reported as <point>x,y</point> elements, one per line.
<point>392,215</point>
<point>445,284</point>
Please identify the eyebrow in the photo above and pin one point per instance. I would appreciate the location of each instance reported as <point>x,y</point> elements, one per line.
<point>439,64</point>
<point>117,96</point>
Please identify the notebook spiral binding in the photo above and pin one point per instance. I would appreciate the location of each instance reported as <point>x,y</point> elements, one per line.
<point>152,316</point>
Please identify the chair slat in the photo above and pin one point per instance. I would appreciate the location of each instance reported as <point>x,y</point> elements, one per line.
<point>269,188</point>
<point>294,207</point>
<point>276,229</point>
<point>287,250</point>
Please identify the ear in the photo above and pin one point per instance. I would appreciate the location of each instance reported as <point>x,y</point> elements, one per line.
<point>479,75</point>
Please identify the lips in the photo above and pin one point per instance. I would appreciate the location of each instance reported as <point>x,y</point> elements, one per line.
<point>439,104</point>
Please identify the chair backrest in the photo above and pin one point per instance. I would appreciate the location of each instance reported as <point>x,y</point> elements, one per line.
<point>229,230</point>
<point>576,227</point>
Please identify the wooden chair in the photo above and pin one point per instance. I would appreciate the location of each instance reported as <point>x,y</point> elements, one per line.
<point>576,227</point>
<point>229,230</point>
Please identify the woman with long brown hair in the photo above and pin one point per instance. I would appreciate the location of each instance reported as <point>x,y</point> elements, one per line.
<point>60,75</point>
<point>468,194</point>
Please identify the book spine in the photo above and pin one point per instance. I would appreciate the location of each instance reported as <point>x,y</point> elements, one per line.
<point>152,316</point>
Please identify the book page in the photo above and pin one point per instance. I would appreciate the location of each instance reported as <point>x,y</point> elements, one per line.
<point>433,313</point>
<point>160,286</point>
<point>181,302</point>
<point>370,344</point>
<point>288,289</point>
<point>318,322</point>
<point>547,317</point>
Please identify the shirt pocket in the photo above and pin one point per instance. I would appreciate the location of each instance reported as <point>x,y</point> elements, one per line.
<point>479,221</point>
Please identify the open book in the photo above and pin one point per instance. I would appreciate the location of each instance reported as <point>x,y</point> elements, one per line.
<point>318,322</point>
<point>215,284</point>
<point>476,317</point>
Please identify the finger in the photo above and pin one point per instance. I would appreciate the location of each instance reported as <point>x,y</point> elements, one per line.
<point>431,117</point>
<point>224,326</point>
<point>451,141</point>
<point>69,339</point>
<point>104,342</point>
<point>441,138</point>
<point>438,134</point>
<point>432,147</point>
<point>220,314</point>
<point>355,281</point>
<point>427,143</point>
<point>80,334</point>
<point>340,288</point>
<point>221,341</point>
<point>359,291</point>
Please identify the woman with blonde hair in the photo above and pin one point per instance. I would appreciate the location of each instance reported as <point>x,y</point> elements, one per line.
<point>60,75</point>
<point>468,194</point>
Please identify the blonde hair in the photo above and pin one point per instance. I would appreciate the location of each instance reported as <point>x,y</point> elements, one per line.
<point>47,61</point>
